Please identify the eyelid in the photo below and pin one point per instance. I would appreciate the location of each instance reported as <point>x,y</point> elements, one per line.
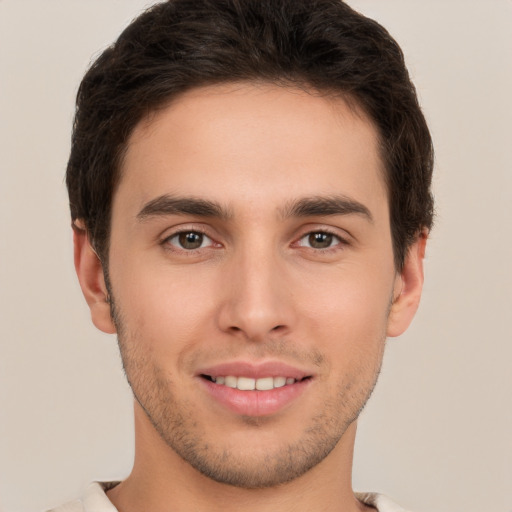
<point>342,236</point>
<point>205,240</point>
<point>343,239</point>
<point>340,233</point>
<point>168,234</point>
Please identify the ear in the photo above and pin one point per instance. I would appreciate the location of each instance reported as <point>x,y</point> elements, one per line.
<point>90,275</point>
<point>408,287</point>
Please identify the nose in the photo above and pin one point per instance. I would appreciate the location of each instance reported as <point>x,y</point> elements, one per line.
<point>257,299</point>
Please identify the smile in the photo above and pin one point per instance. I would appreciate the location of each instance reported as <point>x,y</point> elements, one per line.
<point>254,389</point>
<point>252,384</point>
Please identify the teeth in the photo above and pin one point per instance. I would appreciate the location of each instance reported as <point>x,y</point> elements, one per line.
<point>246,384</point>
<point>249,384</point>
<point>265,384</point>
<point>279,382</point>
<point>230,381</point>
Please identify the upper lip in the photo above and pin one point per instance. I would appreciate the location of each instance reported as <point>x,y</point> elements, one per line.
<point>255,370</point>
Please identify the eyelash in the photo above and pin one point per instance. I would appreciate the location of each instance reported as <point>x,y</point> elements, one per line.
<point>339,241</point>
<point>166,242</point>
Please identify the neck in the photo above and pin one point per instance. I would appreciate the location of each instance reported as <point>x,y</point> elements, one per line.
<point>162,481</point>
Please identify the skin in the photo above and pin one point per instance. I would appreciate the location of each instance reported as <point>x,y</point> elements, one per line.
<point>260,287</point>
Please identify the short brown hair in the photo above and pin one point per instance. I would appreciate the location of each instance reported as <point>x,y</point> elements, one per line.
<point>181,44</point>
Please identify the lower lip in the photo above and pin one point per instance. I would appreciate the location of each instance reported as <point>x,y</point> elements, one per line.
<point>255,403</point>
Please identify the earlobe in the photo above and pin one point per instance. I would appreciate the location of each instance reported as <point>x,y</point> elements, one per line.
<point>408,287</point>
<point>90,275</point>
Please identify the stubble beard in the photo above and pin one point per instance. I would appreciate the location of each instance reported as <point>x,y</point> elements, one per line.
<point>174,421</point>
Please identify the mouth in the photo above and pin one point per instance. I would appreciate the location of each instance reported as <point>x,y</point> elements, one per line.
<point>255,390</point>
<point>252,384</point>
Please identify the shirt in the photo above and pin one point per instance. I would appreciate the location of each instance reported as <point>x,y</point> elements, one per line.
<point>95,499</point>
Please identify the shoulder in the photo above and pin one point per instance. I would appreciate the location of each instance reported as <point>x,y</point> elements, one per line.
<point>94,499</point>
<point>381,502</point>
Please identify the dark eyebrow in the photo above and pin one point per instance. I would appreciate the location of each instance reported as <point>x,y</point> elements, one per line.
<point>171,205</point>
<point>318,206</point>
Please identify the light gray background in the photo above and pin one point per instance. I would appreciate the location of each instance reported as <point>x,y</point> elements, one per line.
<point>437,433</point>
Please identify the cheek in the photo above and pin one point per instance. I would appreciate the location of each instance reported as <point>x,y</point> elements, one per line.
<point>161,307</point>
<point>350,296</point>
<point>349,313</point>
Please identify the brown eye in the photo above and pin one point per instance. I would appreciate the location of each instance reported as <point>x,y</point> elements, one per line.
<point>190,240</point>
<point>320,240</point>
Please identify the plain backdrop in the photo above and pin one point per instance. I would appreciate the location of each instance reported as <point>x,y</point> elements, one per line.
<point>436,435</point>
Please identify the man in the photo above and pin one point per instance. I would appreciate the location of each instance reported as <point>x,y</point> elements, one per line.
<point>249,184</point>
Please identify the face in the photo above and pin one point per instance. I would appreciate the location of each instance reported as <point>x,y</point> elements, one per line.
<point>252,274</point>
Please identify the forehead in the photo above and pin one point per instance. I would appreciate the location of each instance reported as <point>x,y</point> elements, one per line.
<point>250,142</point>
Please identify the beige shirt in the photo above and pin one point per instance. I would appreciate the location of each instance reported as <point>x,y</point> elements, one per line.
<point>94,499</point>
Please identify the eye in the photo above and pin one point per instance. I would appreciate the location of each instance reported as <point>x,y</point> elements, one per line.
<point>320,240</point>
<point>190,240</point>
